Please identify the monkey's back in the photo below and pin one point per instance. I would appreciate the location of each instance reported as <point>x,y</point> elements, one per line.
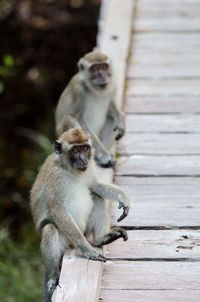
<point>69,100</point>
<point>45,188</point>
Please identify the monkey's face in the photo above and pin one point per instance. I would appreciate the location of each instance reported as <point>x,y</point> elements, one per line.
<point>79,156</point>
<point>100,74</point>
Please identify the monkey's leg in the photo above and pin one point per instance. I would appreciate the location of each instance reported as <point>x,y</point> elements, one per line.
<point>52,247</point>
<point>108,135</point>
<point>100,223</point>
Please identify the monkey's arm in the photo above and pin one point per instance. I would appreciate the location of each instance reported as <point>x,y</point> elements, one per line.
<point>68,227</point>
<point>119,120</point>
<point>110,191</point>
<point>102,156</point>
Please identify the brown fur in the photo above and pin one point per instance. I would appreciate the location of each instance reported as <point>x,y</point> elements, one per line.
<point>73,136</point>
<point>96,56</point>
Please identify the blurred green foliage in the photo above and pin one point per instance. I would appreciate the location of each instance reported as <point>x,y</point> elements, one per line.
<point>7,69</point>
<point>41,42</point>
<point>20,269</point>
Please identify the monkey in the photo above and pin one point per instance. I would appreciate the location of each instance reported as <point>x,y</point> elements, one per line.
<point>88,102</point>
<point>68,205</point>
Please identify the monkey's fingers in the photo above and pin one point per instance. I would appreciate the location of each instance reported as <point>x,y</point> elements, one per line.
<point>109,164</point>
<point>124,214</point>
<point>97,257</point>
<point>120,134</point>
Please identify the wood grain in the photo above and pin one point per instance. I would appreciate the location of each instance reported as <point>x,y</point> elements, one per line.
<point>156,143</point>
<point>141,165</point>
<point>151,275</point>
<point>162,104</point>
<point>173,87</point>
<point>155,244</point>
<point>159,211</point>
<point>156,123</point>
<point>149,295</point>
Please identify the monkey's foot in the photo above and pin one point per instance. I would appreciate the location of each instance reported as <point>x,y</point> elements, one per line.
<point>93,255</point>
<point>112,236</point>
<point>51,286</point>
<point>107,161</point>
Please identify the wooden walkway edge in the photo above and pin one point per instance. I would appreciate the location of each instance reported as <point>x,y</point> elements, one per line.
<point>80,278</point>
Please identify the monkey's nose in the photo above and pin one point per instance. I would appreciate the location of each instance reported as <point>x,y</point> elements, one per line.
<point>83,158</point>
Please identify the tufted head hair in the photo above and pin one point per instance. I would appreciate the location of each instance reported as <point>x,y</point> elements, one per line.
<point>75,136</point>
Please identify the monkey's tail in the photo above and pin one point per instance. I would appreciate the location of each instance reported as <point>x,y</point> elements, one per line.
<point>50,283</point>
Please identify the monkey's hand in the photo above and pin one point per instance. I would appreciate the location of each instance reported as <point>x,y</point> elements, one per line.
<point>92,254</point>
<point>120,126</point>
<point>105,160</point>
<point>125,211</point>
<point>120,131</point>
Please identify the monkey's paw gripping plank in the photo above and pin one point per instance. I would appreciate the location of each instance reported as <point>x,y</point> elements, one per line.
<point>159,167</point>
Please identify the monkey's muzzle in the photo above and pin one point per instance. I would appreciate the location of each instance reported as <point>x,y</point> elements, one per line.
<point>82,163</point>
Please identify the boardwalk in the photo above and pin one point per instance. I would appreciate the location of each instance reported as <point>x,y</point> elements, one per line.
<point>160,160</point>
<point>159,165</point>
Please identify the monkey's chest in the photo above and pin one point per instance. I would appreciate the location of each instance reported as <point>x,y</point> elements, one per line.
<point>95,113</point>
<point>80,206</point>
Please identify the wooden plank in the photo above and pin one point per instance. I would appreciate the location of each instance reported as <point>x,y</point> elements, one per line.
<point>160,211</point>
<point>166,41</point>
<point>141,165</point>
<point>168,23</point>
<point>155,58</point>
<point>157,123</point>
<point>189,87</point>
<point>163,104</point>
<point>156,244</point>
<point>151,143</point>
<point>152,275</point>
<point>163,71</point>
<point>159,186</point>
<point>160,201</point>
<point>149,295</point>
<point>170,3</point>
<point>115,39</point>
<point>73,285</point>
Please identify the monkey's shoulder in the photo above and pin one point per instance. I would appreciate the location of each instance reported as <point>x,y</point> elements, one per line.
<point>49,176</point>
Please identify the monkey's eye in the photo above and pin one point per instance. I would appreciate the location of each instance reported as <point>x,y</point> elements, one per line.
<point>75,150</point>
<point>85,148</point>
<point>104,66</point>
<point>94,68</point>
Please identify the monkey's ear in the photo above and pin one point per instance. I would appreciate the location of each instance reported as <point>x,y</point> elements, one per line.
<point>57,147</point>
<point>80,64</point>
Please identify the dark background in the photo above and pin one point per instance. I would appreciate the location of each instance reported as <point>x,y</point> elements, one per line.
<point>41,42</point>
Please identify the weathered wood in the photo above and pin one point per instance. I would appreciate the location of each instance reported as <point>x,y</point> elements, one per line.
<point>78,275</point>
<point>149,295</point>
<point>160,211</point>
<point>166,41</point>
<point>163,77</point>
<point>115,40</point>
<point>155,244</point>
<point>163,23</point>
<point>160,201</point>
<point>145,57</point>
<point>189,87</point>
<point>163,104</point>
<point>159,186</point>
<point>164,71</point>
<point>151,275</point>
<point>151,143</point>
<point>140,165</point>
<point>163,123</point>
